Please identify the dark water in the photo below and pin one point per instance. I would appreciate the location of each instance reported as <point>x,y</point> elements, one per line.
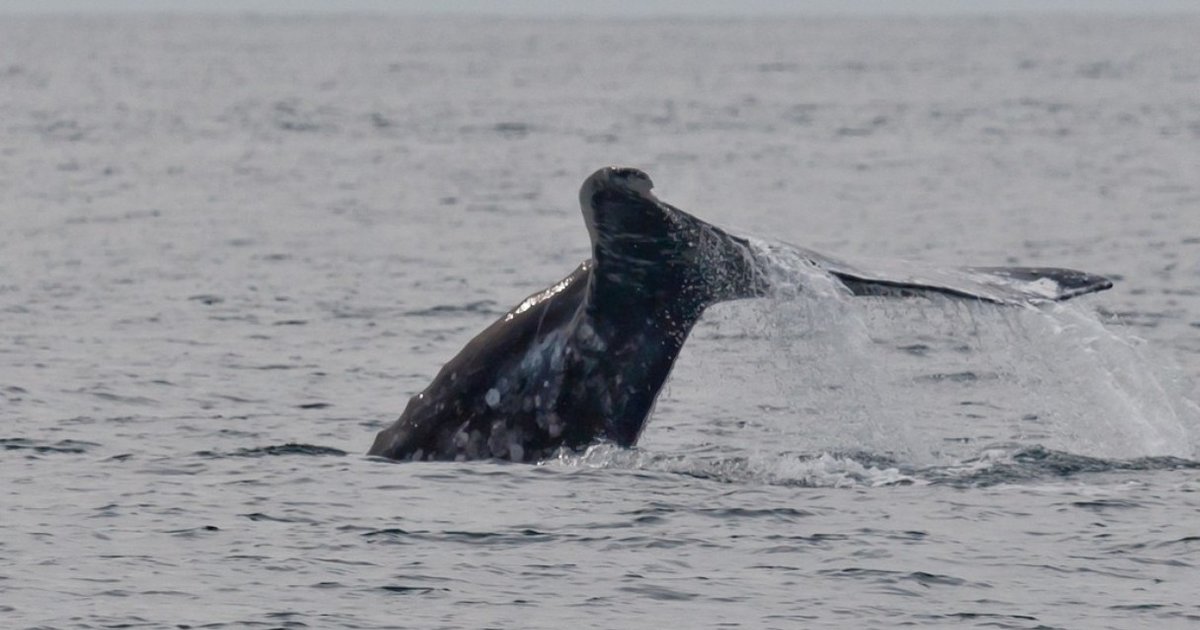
<point>230,249</point>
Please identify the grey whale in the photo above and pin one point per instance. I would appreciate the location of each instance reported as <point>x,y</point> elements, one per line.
<point>583,360</point>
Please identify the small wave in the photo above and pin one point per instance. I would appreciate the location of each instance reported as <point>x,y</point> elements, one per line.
<point>290,448</point>
<point>194,532</point>
<point>884,576</point>
<point>1016,465</point>
<point>411,590</point>
<point>861,469</point>
<point>484,307</point>
<point>824,470</point>
<point>74,447</point>
<point>514,537</point>
<point>264,517</point>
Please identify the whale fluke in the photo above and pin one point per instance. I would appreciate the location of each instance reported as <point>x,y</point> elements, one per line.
<point>999,285</point>
<point>584,359</point>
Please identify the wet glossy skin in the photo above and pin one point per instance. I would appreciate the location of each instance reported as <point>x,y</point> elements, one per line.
<point>584,359</point>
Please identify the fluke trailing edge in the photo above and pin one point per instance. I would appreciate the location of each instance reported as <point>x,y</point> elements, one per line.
<point>584,360</point>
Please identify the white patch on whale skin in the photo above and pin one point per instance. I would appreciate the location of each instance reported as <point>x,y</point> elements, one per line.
<point>492,398</point>
<point>497,442</point>
<point>546,356</point>
<point>475,445</point>
<point>548,421</point>
<point>589,339</point>
<point>533,361</point>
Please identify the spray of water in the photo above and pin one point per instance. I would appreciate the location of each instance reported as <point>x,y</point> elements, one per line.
<point>816,387</point>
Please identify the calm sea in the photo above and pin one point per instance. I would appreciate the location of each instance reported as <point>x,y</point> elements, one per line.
<point>231,249</point>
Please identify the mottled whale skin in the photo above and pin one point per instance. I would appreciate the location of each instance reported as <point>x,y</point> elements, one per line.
<point>583,360</point>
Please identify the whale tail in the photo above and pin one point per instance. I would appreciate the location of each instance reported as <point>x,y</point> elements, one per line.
<point>998,285</point>
<point>641,245</point>
<point>639,242</point>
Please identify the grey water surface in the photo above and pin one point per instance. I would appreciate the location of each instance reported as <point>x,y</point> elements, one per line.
<point>231,248</point>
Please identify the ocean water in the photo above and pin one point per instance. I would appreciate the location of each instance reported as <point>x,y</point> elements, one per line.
<point>231,249</point>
